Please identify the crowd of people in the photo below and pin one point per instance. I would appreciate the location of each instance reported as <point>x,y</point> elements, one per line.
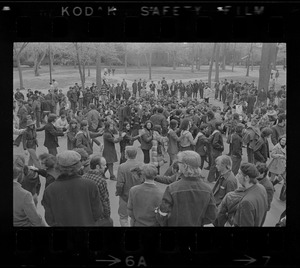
<point>173,124</point>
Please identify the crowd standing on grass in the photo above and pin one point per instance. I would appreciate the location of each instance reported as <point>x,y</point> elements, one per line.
<point>173,124</point>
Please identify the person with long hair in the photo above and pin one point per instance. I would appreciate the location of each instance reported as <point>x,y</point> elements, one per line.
<point>127,140</point>
<point>71,134</point>
<point>187,141</point>
<point>109,150</point>
<point>146,140</point>
<point>30,143</point>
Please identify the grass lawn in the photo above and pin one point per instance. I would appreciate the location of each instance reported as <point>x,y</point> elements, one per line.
<point>68,75</point>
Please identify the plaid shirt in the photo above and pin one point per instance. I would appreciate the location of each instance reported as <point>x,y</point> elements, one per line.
<point>98,178</point>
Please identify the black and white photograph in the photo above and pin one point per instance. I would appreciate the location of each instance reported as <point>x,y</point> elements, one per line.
<point>149,134</point>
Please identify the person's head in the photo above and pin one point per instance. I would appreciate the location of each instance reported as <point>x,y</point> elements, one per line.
<point>47,161</point>
<point>262,169</point>
<point>204,128</point>
<point>63,116</point>
<point>68,162</point>
<point>239,128</point>
<point>185,124</point>
<point>52,118</point>
<point>92,106</point>
<point>149,171</point>
<point>173,124</point>
<point>157,128</point>
<point>210,115</point>
<point>20,103</point>
<point>282,140</point>
<point>218,125</point>
<point>98,162</point>
<point>189,163</point>
<point>148,125</point>
<point>126,126</point>
<point>73,123</point>
<point>130,152</point>
<point>266,132</point>
<point>223,163</point>
<point>30,124</point>
<point>18,167</point>
<point>247,175</point>
<point>235,116</point>
<point>281,120</point>
<point>84,125</point>
<point>83,154</point>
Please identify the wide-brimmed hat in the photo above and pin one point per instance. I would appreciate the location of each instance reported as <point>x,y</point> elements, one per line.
<point>271,112</point>
<point>30,122</point>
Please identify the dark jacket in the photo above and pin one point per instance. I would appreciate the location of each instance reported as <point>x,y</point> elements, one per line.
<point>173,142</point>
<point>159,119</point>
<point>71,139</point>
<point>251,210</point>
<point>277,132</point>
<point>188,202</point>
<point>146,137</point>
<point>72,201</point>
<point>225,183</point>
<point>29,139</point>
<point>269,189</point>
<point>261,150</point>
<point>201,144</point>
<point>109,150</point>
<point>51,134</point>
<point>216,141</point>
<point>236,145</point>
<point>22,114</point>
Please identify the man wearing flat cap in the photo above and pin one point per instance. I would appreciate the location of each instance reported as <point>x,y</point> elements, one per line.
<point>247,206</point>
<point>188,201</point>
<point>71,200</point>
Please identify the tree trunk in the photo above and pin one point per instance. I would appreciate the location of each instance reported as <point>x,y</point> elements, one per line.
<point>38,63</point>
<point>248,59</point>
<point>174,60</point>
<point>168,58</point>
<point>217,62</point>
<point>223,56</point>
<point>233,57</point>
<point>50,64</point>
<point>83,71</point>
<point>79,66</point>
<point>267,58</point>
<point>193,58</point>
<point>150,65</point>
<point>211,64</point>
<point>98,70</point>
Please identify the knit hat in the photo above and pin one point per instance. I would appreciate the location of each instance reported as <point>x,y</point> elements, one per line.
<point>250,170</point>
<point>68,158</point>
<point>30,122</point>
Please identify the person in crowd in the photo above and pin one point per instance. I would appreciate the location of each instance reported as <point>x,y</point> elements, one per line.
<point>173,140</point>
<point>126,179</point>
<point>261,148</point>
<point>51,134</point>
<point>30,144</point>
<point>265,181</point>
<point>61,123</point>
<point>19,95</point>
<point>252,208</point>
<point>71,134</point>
<point>226,181</point>
<point>237,148</point>
<point>127,140</point>
<point>217,147</point>
<point>159,119</point>
<point>96,174</point>
<point>84,159</point>
<point>146,140</point>
<point>277,166</point>
<point>158,147</point>
<point>22,114</point>
<point>144,198</point>
<point>279,129</point>
<point>48,168</point>
<point>250,138</point>
<point>62,206</point>
<point>109,150</point>
<point>202,143</point>
<point>24,209</point>
<point>188,201</point>
<point>93,118</point>
<point>134,88</point>
<point>186,141</point>
<point>85,138</point>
